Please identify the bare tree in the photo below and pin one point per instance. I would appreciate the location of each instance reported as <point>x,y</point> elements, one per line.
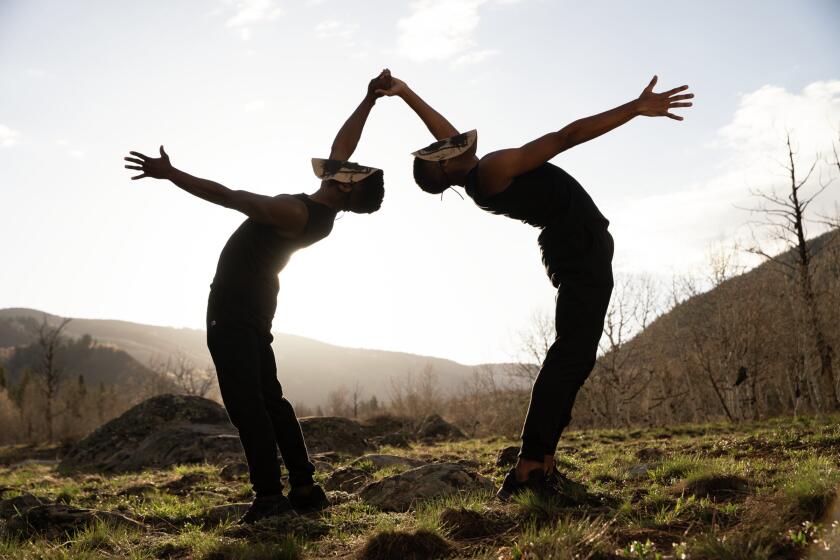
<point>182,371</point>
<point>785,217</point>
<point>49,372</point>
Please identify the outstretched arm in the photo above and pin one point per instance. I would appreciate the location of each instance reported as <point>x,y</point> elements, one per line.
<point>434,121</point>
<point>499,168</point>
<point>286,213</point>
<point>348,136</point>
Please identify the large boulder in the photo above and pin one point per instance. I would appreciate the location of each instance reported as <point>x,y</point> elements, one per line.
<point>433,427</point>
<point>334,433</point>
<point>159,432</point>
<point>401,491</point>
<point>381,461</point>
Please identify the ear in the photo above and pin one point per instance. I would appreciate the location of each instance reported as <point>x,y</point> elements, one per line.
<point>344,187</point>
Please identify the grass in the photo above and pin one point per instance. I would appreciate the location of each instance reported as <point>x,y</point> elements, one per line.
<point>717,491</point>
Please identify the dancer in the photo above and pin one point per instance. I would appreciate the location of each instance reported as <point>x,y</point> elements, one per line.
<point>243,299</point>
<point>576,248</point>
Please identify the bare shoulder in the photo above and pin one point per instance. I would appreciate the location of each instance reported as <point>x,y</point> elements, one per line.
<point>292,205</point>
<point>493,176</point>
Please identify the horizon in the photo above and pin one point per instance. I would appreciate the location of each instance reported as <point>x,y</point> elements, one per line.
<point>223,87</point>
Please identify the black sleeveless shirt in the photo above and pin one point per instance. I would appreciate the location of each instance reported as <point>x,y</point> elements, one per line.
<point>244,290</point>
<point>540,197</point>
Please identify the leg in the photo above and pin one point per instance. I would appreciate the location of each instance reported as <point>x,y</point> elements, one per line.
<point>286,426</point>
<point>582,301</point>
<point>236,355</point>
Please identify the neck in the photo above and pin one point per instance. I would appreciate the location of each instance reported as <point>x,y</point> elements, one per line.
<point>330,196</point>
<point>460,175</point>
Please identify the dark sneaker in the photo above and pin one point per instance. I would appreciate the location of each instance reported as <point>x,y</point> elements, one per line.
<point>264,507</point>
<point>308,498</point>
<point>536,483</point>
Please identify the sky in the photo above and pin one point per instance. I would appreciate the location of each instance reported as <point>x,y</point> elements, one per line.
<point>246,92</point>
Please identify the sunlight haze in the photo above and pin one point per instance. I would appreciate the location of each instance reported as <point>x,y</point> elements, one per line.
<point>246,92</point>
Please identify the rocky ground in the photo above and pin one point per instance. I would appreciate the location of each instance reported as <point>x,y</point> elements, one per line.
<point>760,490</point>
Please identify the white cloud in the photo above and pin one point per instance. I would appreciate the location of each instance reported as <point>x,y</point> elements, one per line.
<point>438,29</point>
<point>683,223</point>
<point>335,29</point>
<point>8,136</point>
<point>249,12</point>
<point>255,105</point>
<point>474,57</point>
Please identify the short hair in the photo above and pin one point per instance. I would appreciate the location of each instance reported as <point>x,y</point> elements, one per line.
<point>368,193</point>
<point>429,177</point>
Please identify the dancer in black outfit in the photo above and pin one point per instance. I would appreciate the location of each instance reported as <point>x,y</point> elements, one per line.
<point>243,299</point>
<point>576,250</point>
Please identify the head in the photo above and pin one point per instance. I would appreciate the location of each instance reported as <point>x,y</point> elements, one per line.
<point>365,196</point>
<point>434,177</point>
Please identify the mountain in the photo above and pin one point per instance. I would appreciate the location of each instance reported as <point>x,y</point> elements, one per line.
<point>741,350</point>
<point>307,369</point>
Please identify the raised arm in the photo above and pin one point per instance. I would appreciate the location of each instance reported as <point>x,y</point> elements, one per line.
<point>286,213</point>
<point>434,121</point>
<point>351,131</point>
<point>499,168</point>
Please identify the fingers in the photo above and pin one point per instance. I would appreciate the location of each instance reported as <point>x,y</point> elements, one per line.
<point>163,153</point>
<point>671,92</point>
<point>679,105</point>
<point>673,116</point>
<point>138,154</point>
<point>138,176</point>
<point>137,167</point>
<point>652,83</point>
<point>134,160</point>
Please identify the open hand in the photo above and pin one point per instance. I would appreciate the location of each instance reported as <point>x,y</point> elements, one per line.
<point>394,87</point>
<point>158,168</point>
<point>652,104</point>
<point>379,83</point>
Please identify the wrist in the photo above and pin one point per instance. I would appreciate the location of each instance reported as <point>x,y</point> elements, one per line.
<point>369,100</point>
<point>636,107</point>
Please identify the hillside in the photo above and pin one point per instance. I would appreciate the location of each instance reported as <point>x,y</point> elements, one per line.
<point>308,369</point>
<point>740,350</point>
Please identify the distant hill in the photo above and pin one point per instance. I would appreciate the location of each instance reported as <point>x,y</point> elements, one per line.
<point>307,369</point>
<point>738,348</point>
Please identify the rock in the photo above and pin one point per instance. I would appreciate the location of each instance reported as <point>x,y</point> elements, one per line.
<point>337,497</point>
<point>333,433</point>
<point>381,461</point>
<point>322,466</point>
<point>648,454</point>
<point>436,428</point>
<point>508,456</point>
<point>394,440</point>
<point>18,504</point>
<point>399,492</point>
<point>639,472</point>
<point>160,432</point>
<point>232,471</point>
<point>220,514</point>
<point>327,457</point>
<point>347,479</point>
<point>53,521</point>
<point>386,424</point>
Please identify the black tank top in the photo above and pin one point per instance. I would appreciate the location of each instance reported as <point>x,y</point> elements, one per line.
<point>246,284</point>
<point>539,197</point>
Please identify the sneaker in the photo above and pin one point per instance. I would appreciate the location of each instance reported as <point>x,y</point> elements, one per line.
<point>308,498</point>
<point>536,483</point>
<point>264,507</point>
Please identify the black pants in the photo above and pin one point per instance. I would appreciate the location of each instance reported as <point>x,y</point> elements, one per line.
<point>578,258</point>
<point>255,404</point>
